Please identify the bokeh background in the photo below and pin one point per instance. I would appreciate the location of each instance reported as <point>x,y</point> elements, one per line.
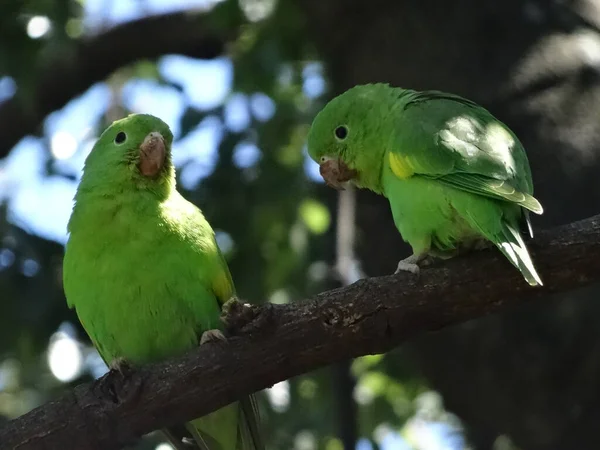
<point>239,82</point>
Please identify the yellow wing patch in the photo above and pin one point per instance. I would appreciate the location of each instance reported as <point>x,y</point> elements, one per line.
<point>400,166</point>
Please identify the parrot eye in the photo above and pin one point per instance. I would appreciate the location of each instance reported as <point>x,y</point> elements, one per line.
<point>341,132</point>
<point>120,137</point>
<point>323,159</point>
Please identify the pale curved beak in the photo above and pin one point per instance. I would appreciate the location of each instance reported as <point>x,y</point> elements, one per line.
<point>336,173</point>
<point>152,155</point>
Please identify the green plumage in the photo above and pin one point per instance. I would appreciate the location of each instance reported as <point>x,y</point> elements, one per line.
<point>454,174</point>
<point>143,270</point>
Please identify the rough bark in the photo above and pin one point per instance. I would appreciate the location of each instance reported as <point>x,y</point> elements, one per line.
<point>67,73</point>
<point>370,316</point>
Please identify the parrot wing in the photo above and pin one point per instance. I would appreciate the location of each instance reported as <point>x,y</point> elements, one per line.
<point>247,415</point>
<point>458,143</point>
<point>249,433</point>
<point>222,284</point>
<point>493,188</point>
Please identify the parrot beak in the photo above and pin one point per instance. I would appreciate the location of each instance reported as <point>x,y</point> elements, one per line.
<point>152,155</point>
<point>335,172</point>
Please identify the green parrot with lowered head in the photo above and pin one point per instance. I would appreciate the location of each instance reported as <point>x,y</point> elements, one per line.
<point>455,176</point>
<point>143,270</point>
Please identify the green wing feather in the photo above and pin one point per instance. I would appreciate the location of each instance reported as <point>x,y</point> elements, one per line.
<point>460,144</point>
<point>249,436</point>
<point>248,428</point>
<point>493,188</point>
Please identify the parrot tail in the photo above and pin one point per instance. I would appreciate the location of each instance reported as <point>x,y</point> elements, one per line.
<point>511,244</point>
<point>233,427</point>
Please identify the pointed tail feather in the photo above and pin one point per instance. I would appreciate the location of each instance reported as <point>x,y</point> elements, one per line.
<point>233,427</point>
<point>187,437</point>
<point>249,429</point>
<point>174,439</point>
<point>528,225</point>
<point>511,244</point>
<point>201,439</point>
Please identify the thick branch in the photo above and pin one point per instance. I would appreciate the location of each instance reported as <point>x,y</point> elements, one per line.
<point>67,74</point>
<point>282,341</point>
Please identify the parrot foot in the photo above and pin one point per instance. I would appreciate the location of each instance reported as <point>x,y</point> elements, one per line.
<point>212,336</point>
<point>122,366</point>
<point>121,384</point>
<point>244,317</point>
<point>438,254</point>
<point>429,260</point>
<point>410,264</point>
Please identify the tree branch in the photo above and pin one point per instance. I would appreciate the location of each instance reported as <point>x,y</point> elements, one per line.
<point>68,73</point>
<point>281,341</point>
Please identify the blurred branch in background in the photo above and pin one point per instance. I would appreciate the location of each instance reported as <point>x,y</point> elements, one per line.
<point>370,316</point>
<point>346,265</point>
<point>343,380</point>
<point>67,72</point>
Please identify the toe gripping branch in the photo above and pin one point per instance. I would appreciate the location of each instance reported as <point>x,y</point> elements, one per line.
<point>243,318</point>
<point>120,385</point>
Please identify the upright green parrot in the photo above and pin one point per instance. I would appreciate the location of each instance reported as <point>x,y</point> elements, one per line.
<point>143,270</point>
<point>455,176</point>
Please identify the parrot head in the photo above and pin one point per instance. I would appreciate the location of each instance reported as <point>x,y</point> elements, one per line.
<point>347,137</point>
<point>134,152</point>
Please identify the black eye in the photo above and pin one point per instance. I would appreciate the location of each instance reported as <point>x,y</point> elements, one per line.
<point>341,132</point>
<point>120,137</point>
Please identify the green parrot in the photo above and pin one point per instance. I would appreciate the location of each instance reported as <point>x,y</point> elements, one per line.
<point>143,270</point>
<point>455,176</point>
